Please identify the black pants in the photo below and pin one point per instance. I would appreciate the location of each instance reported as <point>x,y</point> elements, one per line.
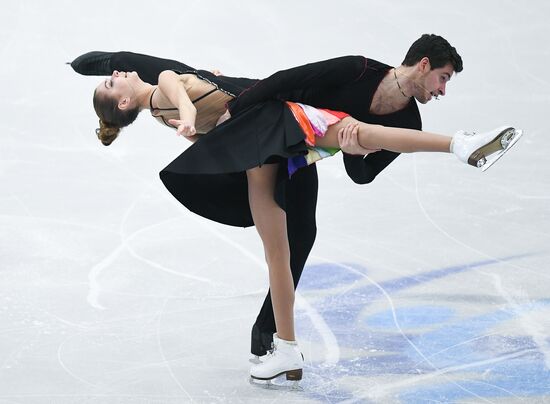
<point>301,191</point>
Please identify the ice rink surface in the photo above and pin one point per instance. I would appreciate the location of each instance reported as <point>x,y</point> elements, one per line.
<point>430,285</point>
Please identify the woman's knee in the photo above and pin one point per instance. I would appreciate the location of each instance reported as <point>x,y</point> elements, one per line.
<point>277,258</point>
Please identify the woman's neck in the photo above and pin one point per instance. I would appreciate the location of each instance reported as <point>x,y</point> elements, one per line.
<point>143,94</point>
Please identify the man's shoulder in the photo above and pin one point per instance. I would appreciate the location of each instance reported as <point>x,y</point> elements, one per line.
<point>377,65</point>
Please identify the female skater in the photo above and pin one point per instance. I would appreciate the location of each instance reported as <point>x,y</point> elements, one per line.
<point>282,133</point>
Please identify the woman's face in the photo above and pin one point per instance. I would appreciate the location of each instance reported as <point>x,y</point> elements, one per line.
<point>119,85</point>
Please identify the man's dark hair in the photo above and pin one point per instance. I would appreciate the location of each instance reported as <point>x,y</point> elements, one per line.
<point>437,49</point>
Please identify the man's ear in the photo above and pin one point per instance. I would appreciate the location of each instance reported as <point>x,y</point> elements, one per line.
<point>424,65</point>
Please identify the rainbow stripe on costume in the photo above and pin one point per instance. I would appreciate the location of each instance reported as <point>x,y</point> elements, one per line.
<point>314,122</point>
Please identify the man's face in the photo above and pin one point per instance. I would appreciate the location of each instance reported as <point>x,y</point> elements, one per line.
<point>433,83</point>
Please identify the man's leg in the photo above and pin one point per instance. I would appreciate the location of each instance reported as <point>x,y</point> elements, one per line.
<point>301,203</point>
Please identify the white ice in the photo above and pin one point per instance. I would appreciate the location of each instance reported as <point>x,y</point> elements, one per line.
<point>429,285</point>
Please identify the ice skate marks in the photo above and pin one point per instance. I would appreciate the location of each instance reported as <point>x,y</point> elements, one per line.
<point>276,384</point>
<point>489,154</point>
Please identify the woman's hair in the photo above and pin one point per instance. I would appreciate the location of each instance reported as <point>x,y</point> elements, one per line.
<point>111,118</point>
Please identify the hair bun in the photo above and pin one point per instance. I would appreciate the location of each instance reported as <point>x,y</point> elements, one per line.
<point>107,133</point>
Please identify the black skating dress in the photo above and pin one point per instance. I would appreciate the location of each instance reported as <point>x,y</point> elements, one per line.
<point>264,130</point>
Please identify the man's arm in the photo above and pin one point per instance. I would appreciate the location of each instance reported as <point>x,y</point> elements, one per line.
<point>328,73</point>
<point>364,170</point>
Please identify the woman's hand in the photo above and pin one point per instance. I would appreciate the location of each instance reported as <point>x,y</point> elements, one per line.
<point>216,72</point>
<point>349,143</point>
<point>184,128</point>
<point>223,118</point>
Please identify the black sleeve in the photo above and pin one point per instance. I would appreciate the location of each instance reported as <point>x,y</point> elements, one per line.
<point>364,170</point>
<point>235,85</point>
<point>328,73</point>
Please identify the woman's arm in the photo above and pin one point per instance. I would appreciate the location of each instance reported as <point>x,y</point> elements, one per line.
<point>172,86</point>
<point>328,73</point>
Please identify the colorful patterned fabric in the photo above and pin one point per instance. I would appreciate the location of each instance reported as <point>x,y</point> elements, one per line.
<point>314,122</point>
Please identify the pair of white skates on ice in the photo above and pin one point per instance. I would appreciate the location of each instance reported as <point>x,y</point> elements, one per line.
<point>484,149</point>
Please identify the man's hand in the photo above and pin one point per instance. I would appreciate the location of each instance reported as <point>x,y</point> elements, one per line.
<point>349,142</point>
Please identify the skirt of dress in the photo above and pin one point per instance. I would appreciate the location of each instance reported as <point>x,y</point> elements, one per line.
<point>209,178</point>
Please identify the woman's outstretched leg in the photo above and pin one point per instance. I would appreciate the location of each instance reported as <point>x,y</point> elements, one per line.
<point>384,137</point>
<point>479,150</point>
<point>270,222</point>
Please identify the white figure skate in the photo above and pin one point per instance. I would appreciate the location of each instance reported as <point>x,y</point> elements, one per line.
<point>285,358</point>
<point>482,150</point>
